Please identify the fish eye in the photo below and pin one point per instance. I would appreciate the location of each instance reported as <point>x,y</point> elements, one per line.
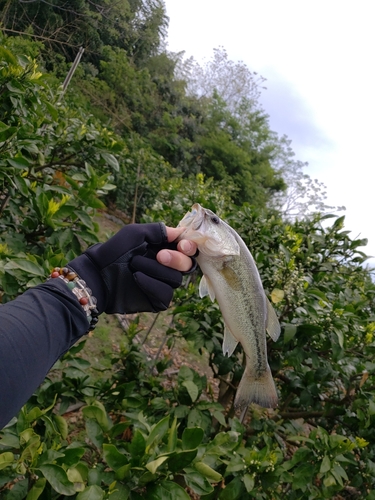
<point>215,220</point>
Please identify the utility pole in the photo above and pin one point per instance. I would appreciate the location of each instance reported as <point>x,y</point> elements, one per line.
<point>72,70</point>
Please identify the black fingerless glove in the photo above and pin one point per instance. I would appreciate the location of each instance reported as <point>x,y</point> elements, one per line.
<point>124,274</point>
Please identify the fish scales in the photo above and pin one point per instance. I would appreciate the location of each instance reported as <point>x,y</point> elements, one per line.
<point>230,275</point>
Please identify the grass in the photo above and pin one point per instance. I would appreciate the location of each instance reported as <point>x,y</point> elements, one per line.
<point>103,343</point>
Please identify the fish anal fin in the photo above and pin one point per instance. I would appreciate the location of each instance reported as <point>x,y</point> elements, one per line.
<point>229,342</point>
<point>273,325</point>
<point>206,288</point>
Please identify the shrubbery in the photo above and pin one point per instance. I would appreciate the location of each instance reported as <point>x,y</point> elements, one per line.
<point>146,432</point>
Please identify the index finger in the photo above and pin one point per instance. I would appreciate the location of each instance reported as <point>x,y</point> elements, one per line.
<point>185,246</point>
<point>174,232</point>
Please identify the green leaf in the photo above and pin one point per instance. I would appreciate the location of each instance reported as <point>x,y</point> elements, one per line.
<point>233,490</point>
<point>303,475</point>
<point>52,110</point>
<point>92,201</point>
<point>75,476</point>
<point>197,418</point>
<point>8,57</point>
<point>21,185</point>
<point>158,432</point>
<point>37,489</point>
<point>208,472</point>
<point>97,412</point>
<point>220,417</point>
<point>113,457</point>
<point>289,332</point>
<point>85,218</point>
<point>26,265</point>
<point>94,432</point>
<point>111,160</point>
<point>371,407</point>
<point>339,472</point>
<point>93,492</point>
<point>6,459</point>
<point>192,389</point>
<point>72,456</point>
<point>181,459</point>
<point>155,464</point>
<point>249,482</point>
<point>6,133</point>
<point>172,438</point>
<point>301,455</point>
<point>339,222</point>
<point>166,490</point>
<point>340,337</point>
<point>325,466</point>
<point>137,446</point>
<point>19,162</point>
<point>10,440</point>
<point>119,491</point>
<point>198,483</point>
<point>329,481</point>
<point>192,438</point>
<point>62,425</point>
<point>58,479</point>
<point>123,472</point>
<point>15,86</point>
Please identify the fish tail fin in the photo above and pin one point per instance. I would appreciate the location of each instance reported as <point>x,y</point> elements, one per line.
<point>260,390</point>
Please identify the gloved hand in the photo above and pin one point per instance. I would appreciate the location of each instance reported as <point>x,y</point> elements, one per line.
<point>123,273</point>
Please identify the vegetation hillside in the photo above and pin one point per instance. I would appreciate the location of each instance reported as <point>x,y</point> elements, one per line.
<point>143,134</point>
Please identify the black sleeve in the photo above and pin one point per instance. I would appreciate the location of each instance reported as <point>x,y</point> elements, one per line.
<point>36,329</point>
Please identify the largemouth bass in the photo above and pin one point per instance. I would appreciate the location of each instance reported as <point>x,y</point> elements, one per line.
<point>230,276</point>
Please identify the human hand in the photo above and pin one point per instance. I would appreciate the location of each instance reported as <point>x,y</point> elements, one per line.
<point>137,269</point>
<point>178,259</point>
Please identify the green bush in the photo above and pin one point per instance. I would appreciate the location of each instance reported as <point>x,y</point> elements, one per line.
<point>55,163</point>
<point>144,431</point>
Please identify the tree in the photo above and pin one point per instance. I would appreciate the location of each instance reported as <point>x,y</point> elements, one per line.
<point>237,147</point>
<point>272,157</point>
<point>304,196</point>
<point>154,427</point>
<point>48,187</point>
<point>233,82</point>
<point>137,26</point>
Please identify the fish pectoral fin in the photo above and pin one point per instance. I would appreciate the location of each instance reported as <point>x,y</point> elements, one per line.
<point>229,342</point>
<point>273,325</point>
<point>206,288</point>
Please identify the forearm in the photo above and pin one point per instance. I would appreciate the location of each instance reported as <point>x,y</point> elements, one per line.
<point>36,329</point>
<point>123,275</point>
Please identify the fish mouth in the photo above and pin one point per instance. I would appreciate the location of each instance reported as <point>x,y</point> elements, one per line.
<point>197,212</point>
<point>193,219</point>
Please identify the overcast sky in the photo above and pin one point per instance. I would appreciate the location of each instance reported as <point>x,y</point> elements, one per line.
<point>318,59</point>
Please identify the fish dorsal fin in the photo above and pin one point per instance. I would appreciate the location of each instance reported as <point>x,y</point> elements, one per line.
<point>229,342</point>
<point>273,325</point>
<point>206,288</point>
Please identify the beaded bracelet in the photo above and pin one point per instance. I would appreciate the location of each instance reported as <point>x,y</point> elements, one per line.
<point>81,291</point>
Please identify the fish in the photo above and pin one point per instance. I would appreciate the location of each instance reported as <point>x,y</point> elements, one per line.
<point>231,277</point>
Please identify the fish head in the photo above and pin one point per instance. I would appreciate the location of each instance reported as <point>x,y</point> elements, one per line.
<point>213,236</point>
